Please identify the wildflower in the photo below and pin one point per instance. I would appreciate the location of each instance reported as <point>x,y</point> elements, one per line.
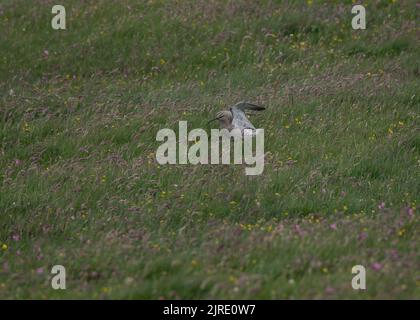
<point>26,127</point>
<point>410,212</point>
<point>298,230</point>
<point>377,266</point>
<point>381,206</point>
<point>4,247</point>
<point>362,236</point>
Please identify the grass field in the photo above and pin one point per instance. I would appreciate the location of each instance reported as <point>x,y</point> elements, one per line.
<point>80,185</point>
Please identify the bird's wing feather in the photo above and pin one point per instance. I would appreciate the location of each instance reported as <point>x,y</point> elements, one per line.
<point>239,118</point>
<point>248,106</point>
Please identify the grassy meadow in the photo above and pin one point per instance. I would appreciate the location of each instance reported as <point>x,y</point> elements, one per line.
<point>80,185</point>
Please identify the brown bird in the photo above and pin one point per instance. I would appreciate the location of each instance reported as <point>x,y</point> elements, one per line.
<point>235,117</point>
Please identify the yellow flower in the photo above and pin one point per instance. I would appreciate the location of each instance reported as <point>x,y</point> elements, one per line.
<point>4,246</point>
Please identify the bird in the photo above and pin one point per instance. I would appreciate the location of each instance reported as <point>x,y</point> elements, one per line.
<point>235,117</point>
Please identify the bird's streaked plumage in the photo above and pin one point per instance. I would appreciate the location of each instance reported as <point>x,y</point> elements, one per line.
<point>235,117</point>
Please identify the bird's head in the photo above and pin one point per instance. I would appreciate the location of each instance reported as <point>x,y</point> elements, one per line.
<point>224,117</point>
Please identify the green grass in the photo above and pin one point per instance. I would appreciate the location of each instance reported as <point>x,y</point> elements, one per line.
<point>80,186</point>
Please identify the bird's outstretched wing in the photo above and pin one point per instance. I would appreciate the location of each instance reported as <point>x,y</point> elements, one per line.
<point>239,118</point>
<point>248,106</point>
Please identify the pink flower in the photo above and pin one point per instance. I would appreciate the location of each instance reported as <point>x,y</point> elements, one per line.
<point>40,270</point>
<point>377,266</point>
<point>381,206</point>
<point>333,226</point>
<point>298,230</point>
<point>410,212</point>
<point>16,237</point>
<point>362,236</point>
<point>17,162</point>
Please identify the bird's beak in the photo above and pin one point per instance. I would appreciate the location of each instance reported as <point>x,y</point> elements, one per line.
<point>213,119</point>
